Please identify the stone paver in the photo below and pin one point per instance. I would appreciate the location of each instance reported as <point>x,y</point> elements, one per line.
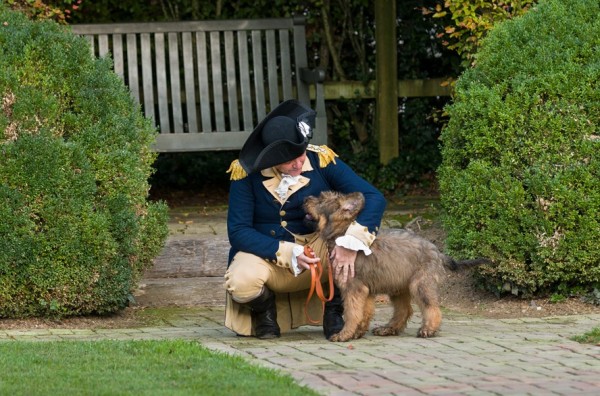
<point>470,356</point>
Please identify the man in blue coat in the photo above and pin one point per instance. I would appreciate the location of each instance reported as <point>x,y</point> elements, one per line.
<point>267,280</point>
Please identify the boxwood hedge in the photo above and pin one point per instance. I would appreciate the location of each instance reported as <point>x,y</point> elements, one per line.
<point>77,230</point>
<point>520,176</point>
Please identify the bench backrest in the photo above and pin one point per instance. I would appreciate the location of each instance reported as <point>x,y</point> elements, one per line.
<point>207,84</point>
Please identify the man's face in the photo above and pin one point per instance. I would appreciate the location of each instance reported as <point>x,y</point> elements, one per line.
<point>293,167</point>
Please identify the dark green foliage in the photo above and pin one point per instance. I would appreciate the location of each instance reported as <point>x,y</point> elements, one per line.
<point>520,178</point>
<point>418,140</point>
<point>76,228</point>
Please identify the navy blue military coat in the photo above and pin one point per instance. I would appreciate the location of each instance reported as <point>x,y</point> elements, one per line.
<point>258,220</point>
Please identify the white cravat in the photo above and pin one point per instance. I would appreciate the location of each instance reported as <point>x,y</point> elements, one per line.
<point>284,185</point>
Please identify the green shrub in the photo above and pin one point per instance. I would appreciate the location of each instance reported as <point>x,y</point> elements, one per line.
<point>520,175</point>
<point>77,230</point>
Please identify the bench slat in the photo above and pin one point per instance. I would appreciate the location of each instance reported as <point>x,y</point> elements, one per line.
<point>272,68</point>
<point>161,83</point>
<point>174,83</point>
<point>208,141</point>
<point>90,40</point>
<point>190,88</point>
<point>203,82</point>
<point>286,65</point>
<point>245,83</point>
<point>117,53</point>
<point>217,81</point>
<point>232,88</point>
<point>184,26</point>
<point>132,67</point>
<point>147,84</point>
<point>257,64</point>
<point>103,44</point>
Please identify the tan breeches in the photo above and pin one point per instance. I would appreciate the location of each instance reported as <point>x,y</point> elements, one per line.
<point>248,274</point>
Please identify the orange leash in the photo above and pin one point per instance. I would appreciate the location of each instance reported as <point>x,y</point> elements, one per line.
<point>316,271</point>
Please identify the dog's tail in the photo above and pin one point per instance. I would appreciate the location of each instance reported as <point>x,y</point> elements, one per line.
<point>456,265</point>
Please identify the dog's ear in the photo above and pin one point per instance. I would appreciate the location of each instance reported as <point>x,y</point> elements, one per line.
<point>354,202</point>
<point>359,198</point>
<point>348,208</point>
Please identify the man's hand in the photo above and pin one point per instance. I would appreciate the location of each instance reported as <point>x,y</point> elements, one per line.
<point>342,263</point>
<point>304,261</point>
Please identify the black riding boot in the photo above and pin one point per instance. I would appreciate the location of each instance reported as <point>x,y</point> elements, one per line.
<point>333,320</point>
<point>264,315</point>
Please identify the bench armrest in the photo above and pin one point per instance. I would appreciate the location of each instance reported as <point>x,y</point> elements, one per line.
<point>316,77</point>
<point>312,76</point>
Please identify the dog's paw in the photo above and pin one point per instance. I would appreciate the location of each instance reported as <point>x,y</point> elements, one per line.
<point>343,337</point>
<point>337,338</point>
<point>425,333</point>
<point>386,331</point>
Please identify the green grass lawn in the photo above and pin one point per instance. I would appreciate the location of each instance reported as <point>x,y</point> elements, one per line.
<point>591,337</point>
<point>133,368</point>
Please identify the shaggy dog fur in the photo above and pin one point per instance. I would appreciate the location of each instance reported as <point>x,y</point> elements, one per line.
<point>402,265</point>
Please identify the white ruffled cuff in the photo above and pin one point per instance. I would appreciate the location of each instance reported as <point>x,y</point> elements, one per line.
<point>297,250</point>
<point>353,243</point>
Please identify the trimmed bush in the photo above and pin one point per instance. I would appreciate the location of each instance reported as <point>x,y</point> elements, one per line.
<point>77,230</point>
<point>520,176</point>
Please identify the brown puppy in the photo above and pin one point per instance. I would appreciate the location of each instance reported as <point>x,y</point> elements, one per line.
<point>401,265</point>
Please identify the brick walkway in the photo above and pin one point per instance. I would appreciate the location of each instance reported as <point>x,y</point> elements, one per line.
<point>470,357</point>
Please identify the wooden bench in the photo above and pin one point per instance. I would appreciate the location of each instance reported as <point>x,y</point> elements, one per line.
<point>207,84</point>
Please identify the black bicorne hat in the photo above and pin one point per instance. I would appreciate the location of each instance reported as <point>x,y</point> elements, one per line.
<point>280,137</point>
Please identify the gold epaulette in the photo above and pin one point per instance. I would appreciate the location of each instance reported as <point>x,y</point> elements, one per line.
<point>236,170</point>
<point>326,155</point>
